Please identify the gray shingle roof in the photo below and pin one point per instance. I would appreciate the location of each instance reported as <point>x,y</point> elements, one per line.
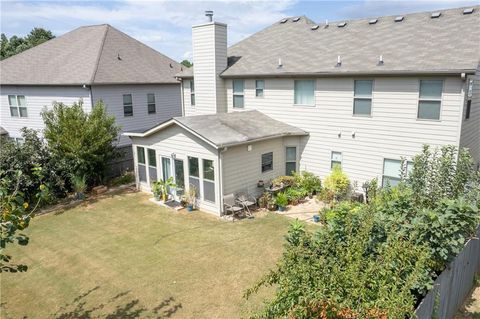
<point>97,54</point>
<point>420,44</point>
<point>228,129</point>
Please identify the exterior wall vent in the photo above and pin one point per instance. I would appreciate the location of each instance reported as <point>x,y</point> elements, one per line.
<point>315,27</point>
<point>436,15</point>
<point>373,21</point>
<point>283,20</point>
<point>341,24</point>
<point>399,19</point>
<point>296,19</point>
<point>468,11</point>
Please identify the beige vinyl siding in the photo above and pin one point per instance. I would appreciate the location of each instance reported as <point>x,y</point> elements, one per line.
<point>470,134</point>
<point>392,130</point>
<point>37,97</point>
<point>242,168</point>
<point>176,140</point>
<point>167,104</point>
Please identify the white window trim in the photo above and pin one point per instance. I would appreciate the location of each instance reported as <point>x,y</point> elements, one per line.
<point>438,100</point>
<point>238,94</point>
<point>148,104</point>
<point>261,162</point>
<point>314,93</point>
<point>371,98</point>
<point>331,159</point>
<point>296,158</point>
<point>17,107</point>
<point>263,90</point>
<point>123,105</point>
<point>408,163</point>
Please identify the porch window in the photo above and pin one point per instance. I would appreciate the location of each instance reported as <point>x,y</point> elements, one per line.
<point>166,168</point>
<point>291,160</point>
<point>238,87</point>
<point>208,180</point>
<point>192,93</point>
<point>430,99</point>
<point>336,160</point>
<point>259,86</point>
<point>151,103</point>
<point>304,92</point>
<point>127,105</point>
<point>194,174</point>
<point>267,162</point>
<point>362,101</point>
<point>142,170</point>
<point>18,107</point>
<point>152,165</point>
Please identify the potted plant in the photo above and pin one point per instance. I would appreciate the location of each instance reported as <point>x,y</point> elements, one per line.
<point>164,186</point>
<point>281,201</point>
<point>183,201</point>
<point>271,206</point>
<point>157,190</point>
<point>79,186</point>
<point>191,198</point>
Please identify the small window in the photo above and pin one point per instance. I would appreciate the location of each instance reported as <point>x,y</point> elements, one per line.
<point>290,160</point>
<point>192,93</point>
<point>238,87</point>
<point>430,99</point>
<point>127,105</point>
<point>208,170</point>
<point>152,158</point>
<point>267,162</point>
<point>362,101</point>
<point>467,111</point>
<point>18,107</point>
<point>140,155</point>
<point>208,181</point>
<point>151,103</point>
<point>259,86</point>
<point>193,167</point>
<point>336,160</point>
<point>304,92</point>
<point>391,172</point>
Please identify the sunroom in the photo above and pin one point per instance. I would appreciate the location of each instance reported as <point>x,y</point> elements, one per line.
<point>218,154</point>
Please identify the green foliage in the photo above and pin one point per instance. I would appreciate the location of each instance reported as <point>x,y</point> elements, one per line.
<point>79,184</point>
<point>285,181</point>
<point>294,194</point>
<point>265,199</point>
<point>186,63</point>
<point>15,215</point>
<point>15,44</point>
<point>281,200</point>
<point>81,142</point>
<point>371,189</point>
<point>161,187</point>
<point>125,178</point>
<point>25,157</point>
<point>308,182</point>
<point>337,185</point>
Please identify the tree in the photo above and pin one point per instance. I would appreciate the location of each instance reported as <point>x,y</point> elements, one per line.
<point>82,143</point>
<point>16,44</point>
<point>187,63</point>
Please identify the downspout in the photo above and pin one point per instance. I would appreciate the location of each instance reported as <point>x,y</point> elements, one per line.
<point>220,171</point>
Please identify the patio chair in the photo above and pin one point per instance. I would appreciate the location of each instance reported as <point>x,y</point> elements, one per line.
<point>230,205</point>
<point>246,200</point>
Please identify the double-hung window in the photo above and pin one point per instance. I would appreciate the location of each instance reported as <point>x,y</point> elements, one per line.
<point>392,170</point>
<point>362,100</point>
<point>259,87</point>
<point>142,170</point>
<point>304,92</point>
<point>290,160</point>
<point>430,100</point>
<point>238,96</point>
<point>194,174</point>
<point>336,160</point>
<point>192,93</point>
<point>18,107</point>
<point>127,105</point>
<point>151,103</point>
<point>267,162</point>
<point>152,165</point>
<point>208,181</point>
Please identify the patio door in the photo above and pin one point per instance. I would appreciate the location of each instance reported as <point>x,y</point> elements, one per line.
<point>179,175</point>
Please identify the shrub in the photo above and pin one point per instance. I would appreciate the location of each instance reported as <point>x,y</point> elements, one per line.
<point>308,181</point>
<point>337,183</point>
<point>81,142</point>
<point>294,194</point>
<point>264,199</point>
<point>283,180</point>
<point>125,178</point>
<point>370,188</point>
<point>281,200</point>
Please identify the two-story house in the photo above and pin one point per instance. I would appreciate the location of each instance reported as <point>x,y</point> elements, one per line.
<point>91,63</point>
<point>300,95</point>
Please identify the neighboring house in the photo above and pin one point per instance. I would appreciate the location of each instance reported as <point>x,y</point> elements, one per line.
<point>360,94</point>
<point>91,63</point>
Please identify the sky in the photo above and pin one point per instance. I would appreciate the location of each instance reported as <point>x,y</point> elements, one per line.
<point>166,25</point>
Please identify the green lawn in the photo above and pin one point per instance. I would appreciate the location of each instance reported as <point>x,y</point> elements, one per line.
<point>125,257</point>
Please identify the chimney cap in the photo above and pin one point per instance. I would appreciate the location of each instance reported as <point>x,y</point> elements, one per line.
<point>209,14</point>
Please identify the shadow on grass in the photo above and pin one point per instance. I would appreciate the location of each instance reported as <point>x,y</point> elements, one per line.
<point>125,307</point>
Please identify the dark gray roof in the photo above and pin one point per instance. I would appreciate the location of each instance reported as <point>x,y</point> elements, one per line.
<point>228,129</point>
<point>98,54</point>
<point>418,44</point>
<point>185,73</point>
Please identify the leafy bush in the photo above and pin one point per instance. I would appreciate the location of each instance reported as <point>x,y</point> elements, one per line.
<point>281,200</point>
<point>295,194</point>
<point>125,178</point>
<point>81,143</point>
<point>264,199</point>
<point>371,189</point>
<point>308,182</point>
<point>336,185</point>
<point>283,180</point>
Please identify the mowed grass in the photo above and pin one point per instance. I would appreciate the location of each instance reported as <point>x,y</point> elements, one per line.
<point>125,257</point>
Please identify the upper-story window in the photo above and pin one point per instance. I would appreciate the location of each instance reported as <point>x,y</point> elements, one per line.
<point>151,103</point>
<point>362,100</point>
<point>192,93</point>
<point>430,99</point>
<point>259,87</point>
<point>304,92</point>
<point>127,105</point>
<point>18,107</point>
<point>238,87</point>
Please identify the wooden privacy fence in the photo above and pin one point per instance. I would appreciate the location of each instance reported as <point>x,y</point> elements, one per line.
<point>453,285</point>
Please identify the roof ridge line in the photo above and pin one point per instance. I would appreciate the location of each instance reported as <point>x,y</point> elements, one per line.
<point>97,63</point>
